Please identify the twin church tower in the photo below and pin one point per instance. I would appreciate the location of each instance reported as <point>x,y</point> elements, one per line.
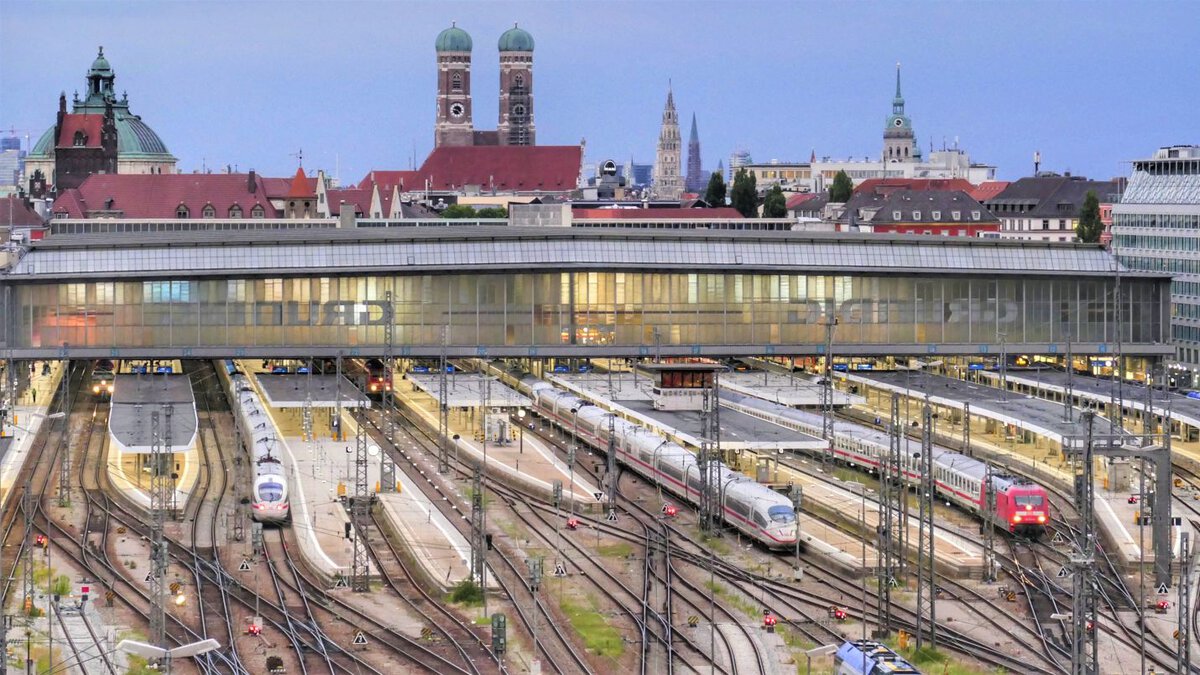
<point>454,126</point>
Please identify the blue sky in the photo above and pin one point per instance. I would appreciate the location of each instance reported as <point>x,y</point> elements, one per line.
<point>1089,84</point>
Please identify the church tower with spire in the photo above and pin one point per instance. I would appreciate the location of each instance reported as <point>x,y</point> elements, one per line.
<point>899,142</point>
<point>668,181</point>
<point>696,181</point>
<point>453,125</point>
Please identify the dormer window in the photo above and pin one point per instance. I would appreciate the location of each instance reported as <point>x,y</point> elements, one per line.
<point>897,215</point>
<point>235,211</point>
<point>209,211</point>
<point>182,211</point>
<point>937,215</point>
<point>916,215</point>
<point>956,215</point>
<point>257,211</point>
<point>975,215</point>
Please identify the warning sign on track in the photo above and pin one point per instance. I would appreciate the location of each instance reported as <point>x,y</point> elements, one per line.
<point>360,638</point>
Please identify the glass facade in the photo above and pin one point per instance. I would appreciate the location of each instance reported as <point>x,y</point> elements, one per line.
<point>559,312</point>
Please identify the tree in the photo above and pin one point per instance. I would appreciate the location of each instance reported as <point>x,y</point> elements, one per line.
<point>1089,228</point>
<point>715,193</point>
<point>775,205</point>
<point>744,196</point>
<point>459,211</point>
<point>841,189</point>
<point>493,212</point>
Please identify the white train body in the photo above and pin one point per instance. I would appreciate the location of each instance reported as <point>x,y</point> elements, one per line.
<point>269,498</point>
<point>754,509</point>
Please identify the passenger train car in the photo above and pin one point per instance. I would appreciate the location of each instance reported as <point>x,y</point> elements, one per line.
<point>269,496</point>
<point>1021,506</point>
<point>867,657</point>
<point>754,509</point>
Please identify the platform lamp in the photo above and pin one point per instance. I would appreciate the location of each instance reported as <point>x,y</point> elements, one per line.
<point>166,656</point>
<point>521,430</point>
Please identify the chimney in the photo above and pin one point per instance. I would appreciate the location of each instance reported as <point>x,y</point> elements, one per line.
<point>251,182</point>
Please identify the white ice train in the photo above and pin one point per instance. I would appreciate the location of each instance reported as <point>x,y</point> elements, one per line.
<point>754,509</point>
<point>269,501</point>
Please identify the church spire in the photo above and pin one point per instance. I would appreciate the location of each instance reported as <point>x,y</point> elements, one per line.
<point>898,101</point>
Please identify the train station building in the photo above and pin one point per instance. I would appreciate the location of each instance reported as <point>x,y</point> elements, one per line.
<point>569,292</point>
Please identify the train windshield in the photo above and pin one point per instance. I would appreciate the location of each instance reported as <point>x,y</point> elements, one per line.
<point>781,514</point>
<point>270,492</point>
<point>1033,501</point>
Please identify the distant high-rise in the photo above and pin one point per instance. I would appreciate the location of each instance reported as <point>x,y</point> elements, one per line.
<point>696,180</point>
<point>737,160</point>
<point>668,183</point>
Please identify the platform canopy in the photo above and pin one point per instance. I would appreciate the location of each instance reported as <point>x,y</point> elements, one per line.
<point>466,390</point>
<point>293,391</point>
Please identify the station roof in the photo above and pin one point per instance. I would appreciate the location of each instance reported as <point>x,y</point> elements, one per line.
<point>1037,415</point>
<point>292,391</point>
<point>798,390</point>
<point>466,390</point>
<point>1183,408</point>
<point>484,249</point>
<point>137,397</point>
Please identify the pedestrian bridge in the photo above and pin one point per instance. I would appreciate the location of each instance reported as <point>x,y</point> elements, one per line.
<point>569,292</point>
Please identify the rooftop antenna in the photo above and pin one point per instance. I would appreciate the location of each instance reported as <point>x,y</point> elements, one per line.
<point>299,157</point>
<point>1037,161</point>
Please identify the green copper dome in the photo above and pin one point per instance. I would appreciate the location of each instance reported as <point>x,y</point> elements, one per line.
<point>516,40</point>
<point>100,65</point>
<point>453,39</point>
<point>135,139</point>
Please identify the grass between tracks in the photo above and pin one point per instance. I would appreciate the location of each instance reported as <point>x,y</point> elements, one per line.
<point>598,634</point>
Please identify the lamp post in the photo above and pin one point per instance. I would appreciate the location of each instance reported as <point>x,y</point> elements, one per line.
<point>456,437</point>
<point>816,651</point>
<point>521,431</point>
<point>166,656</point>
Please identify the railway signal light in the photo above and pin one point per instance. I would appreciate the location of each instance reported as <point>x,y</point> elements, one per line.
<point>40,541</point>
<point>670,511</point>
<point>1162,606</point>
<point>572,523</point>
<point>769,622</point>
<point>837,613</point>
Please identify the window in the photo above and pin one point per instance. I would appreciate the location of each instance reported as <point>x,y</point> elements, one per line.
<point>956,215</point>
<point>456,82</point>
<point>235,211</point>
<point>1045,223</point>
<point>209,211</point>
<point>974,215</point>
<point>182,212</point>
<point>916,215</point>
<point>80,139</point>
<point>257,211</point>
<point>937,215</point>
<point>897,215</point>
<point>519,80</point>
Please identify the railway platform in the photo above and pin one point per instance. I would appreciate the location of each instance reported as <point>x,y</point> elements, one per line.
<point>1022,431</point>
<point>316,466</point>
<point>823,536</point>
<point>131,450</point>
<point>30,414</point>
<point>524,461</point>
<point>793,389</point>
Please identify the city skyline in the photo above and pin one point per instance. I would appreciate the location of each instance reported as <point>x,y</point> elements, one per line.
<point>767,78</point>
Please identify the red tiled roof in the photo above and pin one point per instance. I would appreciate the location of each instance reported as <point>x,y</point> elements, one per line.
<point>90,125</point>
<point>506,168</point>
<point>300,187</point>
<point>885,186</point>
<point>987,190</point>
<point>799,198</point>
<point>410,180</point>
<point>656,214</point>
<point>159,195</point>
<point>278,188</point>
<point>356,198</point>
<point>15,212</point>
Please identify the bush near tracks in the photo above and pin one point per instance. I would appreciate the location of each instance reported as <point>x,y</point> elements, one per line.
<point>467,592</point>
